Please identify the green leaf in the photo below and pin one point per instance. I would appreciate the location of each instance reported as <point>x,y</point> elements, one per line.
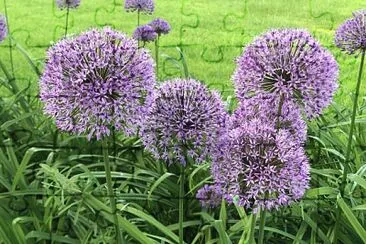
<point>151,220</point>
<point>316,192</point>
<point>352,218</point>
<point>106,212</point>
<point>19,175</point>
<point>158,182</point>
<point>358,179</point>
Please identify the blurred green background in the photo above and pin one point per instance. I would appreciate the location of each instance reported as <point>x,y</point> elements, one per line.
<point>211,33</point>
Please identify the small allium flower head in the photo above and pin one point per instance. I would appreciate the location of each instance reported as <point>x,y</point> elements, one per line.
<point>3,28</point>
<point>144,6</point>
<point>145,33</point>
<point>351,35</point>
<point>160,26</point>
<point>260,167</point>
<point>61,4</point>
<point>288,63</point>
<point>186,119</point>
<point>97,81</point>
<point>210,196</point>
<point>265,108</point>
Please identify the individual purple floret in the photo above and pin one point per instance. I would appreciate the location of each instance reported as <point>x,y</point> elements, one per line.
<point>186,119</point>
<point>143,6</point>
<point>291,65</point>
<point>266,108</point>
<point>98,81</point>
<point>160,26</point>
<point>260,167</point>
<point>3,28</point>
<point>351,35</point>
<point>145,33</point>
<point>61,4</point>
<point>210,196</point>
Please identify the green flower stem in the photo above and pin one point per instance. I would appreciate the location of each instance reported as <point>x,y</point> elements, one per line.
<point>181,203</point>
<point>262,222</point>
<point>252,228</point>
<point>110,189</point>
<point>157,56</point>
<point>67,20</point>
<point>349,144</point>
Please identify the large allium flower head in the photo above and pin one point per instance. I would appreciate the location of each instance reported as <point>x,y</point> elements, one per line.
<point>186,120</point>
<point>260,167</point>
<point>3,28</point>
<point>266,108</point>
<point>145,33</point>
<point>210,196</point>
<point>144,6</point>
<point>290,64</point>
<point>62,4</point>
<point>351,35</point>
<point>97,81</point>
<point>160,26</point>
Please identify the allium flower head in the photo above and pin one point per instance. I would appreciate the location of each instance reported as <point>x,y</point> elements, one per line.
<point>96,81</point>
<point>210,196</point>
<point>186,119</point>
<point>160,26</point>
<point>67,3</point>
<point>288,63</point>
<point>260,167</point>
<point>145,33</point>
<point>351,35</point>
<point>144,6</point>
<point>3,28</point>
<point>266,108</point>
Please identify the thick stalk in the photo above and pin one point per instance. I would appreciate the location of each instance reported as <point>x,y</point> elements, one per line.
<point>181,207</point>
<point>349,143</point>
<point>110,189</point>
<point>262,222</point>
<point>252,228</point>
<point>67,20</point>
<point>157,56</point>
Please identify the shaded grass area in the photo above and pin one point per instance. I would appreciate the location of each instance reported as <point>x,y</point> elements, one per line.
<point>210,32</point>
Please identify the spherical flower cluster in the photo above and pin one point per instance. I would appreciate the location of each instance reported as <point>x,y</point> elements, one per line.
<point>266,108</point>
<point>210,196</point>
<point>260,167</point>
<point>61,4</point>
<point>288,63</point>
<point>98,81</point>
<point>351,35</point>
<point>3,28</point>
<point>145,33</point>
<point>143,6</point>
<point>186,119</point>
<point>160,26</point>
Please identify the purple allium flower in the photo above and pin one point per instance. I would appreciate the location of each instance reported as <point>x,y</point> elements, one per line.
<point>265,107</point>
<point>145,33</point>
<point>288,63</point>
<point>3,28</point>
<point>351,35</point>
<point>186,119</point>
<point>61,4</point>
<point>96,81</point>
<point>210,196</point>
<point>144,6</point>
<point>260,167</point>
<point>160,26</point>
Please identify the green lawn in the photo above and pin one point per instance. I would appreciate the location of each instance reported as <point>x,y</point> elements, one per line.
<point>211,32</point>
